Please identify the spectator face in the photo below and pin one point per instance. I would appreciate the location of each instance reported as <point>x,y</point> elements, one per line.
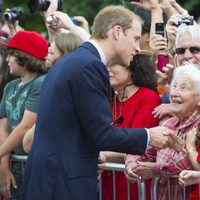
<point>119,76</point>
<point>127,43</point>
<point>186,42</point>
<point>183,92</point>
<point>53,54</point>
<point>15,68</point>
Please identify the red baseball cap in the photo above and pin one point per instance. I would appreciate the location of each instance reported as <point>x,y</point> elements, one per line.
<point>29,42</point>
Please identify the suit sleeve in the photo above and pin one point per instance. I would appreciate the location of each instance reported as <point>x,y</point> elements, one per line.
<point>91,92</point>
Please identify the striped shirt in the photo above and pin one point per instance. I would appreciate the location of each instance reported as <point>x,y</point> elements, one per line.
<point>168,162</point>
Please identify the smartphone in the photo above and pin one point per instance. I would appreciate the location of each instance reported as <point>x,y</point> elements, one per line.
<point>159,29</point>
<point>162,60</point>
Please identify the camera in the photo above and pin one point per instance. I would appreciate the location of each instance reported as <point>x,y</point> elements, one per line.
<point>51,21</point>
<point>185,20</point>
<point>42,5</point>
<point>13,14</point>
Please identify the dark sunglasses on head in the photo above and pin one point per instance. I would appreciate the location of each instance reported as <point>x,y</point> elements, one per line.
<point>193,50</point>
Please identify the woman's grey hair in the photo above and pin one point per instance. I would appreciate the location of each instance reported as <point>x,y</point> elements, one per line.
<point>191,72</point>
<point>193,30</point>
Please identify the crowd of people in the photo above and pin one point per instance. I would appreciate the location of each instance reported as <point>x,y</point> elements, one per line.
<point>82,98</point>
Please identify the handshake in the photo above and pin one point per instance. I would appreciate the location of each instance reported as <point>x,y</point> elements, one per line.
<point>162,137</point>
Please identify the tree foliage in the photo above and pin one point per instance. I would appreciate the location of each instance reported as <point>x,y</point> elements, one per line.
<point>86,8</point>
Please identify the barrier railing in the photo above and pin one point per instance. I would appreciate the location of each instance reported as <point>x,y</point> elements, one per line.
<point>115,167</point>
<point>154,189</point>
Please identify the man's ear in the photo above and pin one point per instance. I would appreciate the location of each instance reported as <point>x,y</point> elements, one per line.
<point>117,31</point>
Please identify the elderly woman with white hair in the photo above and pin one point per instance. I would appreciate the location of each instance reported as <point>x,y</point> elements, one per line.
<point>185,90</point>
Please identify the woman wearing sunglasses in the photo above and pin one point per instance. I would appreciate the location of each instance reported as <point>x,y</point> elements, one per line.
<point>134,99</point>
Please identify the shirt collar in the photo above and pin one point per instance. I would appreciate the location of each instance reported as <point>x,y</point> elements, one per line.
<point>100,51</point>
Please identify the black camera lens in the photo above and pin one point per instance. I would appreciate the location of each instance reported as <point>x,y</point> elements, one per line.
<point>42,5</point>
<point>13,14</point>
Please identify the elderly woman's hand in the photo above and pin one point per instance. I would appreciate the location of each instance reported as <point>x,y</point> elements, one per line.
<point>130,175</point>
<point>144,170</point>
<point>175,142</point>
<point>189,177</point>
<point>169,109</point>
<point>191,140</point>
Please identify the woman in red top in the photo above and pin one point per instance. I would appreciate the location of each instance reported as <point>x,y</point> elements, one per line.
<point>133,102</point>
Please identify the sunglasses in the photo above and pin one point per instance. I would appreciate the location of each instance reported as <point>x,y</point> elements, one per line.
<point>193,50</point>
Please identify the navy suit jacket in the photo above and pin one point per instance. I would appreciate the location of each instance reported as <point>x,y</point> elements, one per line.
<point>73,126</point>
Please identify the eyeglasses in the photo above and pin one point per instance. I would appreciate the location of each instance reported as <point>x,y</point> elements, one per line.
<point>193,50</point>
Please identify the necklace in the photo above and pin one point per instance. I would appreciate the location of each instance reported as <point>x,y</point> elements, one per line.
<point>120,118</point>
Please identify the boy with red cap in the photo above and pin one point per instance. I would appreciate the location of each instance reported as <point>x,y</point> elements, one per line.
<point>18,109</point>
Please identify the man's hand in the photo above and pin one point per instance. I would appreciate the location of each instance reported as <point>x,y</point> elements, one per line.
<point>161,137</point>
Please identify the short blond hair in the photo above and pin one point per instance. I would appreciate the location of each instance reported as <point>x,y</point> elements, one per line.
<point>110,16</point>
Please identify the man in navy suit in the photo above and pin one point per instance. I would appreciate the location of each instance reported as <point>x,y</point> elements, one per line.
<point>74,115</point>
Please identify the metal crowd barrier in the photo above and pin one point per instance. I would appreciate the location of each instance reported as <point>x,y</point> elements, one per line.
<point>154,185</point>
<point>21,158</point>
<point>115,167</point>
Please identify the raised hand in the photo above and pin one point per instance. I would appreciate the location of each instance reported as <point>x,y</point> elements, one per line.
<point>146,5</point>
<point>171,29</point>
<point>157,42</point>
<point>82,22</point>
<point>169,109</point>
<point>164,78</point>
